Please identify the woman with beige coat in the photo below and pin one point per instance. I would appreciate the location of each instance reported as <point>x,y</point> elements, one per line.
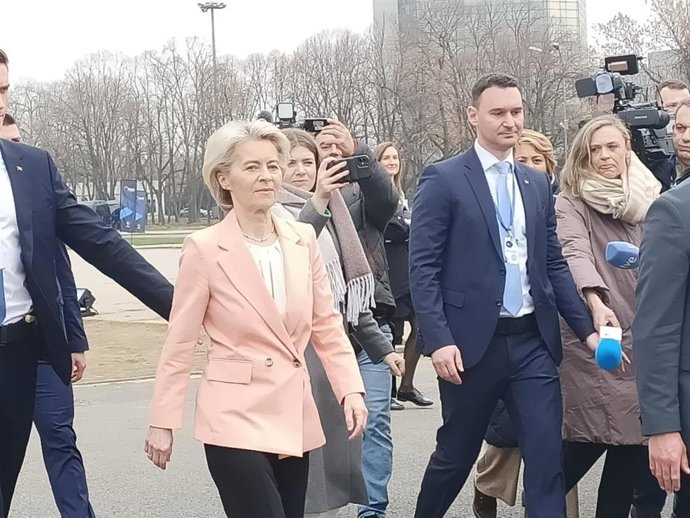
<point>605,194</point>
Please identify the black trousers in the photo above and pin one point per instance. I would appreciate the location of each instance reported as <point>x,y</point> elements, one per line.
<point>622,469</point>
<point>17,394</point>
<point>253,484</point>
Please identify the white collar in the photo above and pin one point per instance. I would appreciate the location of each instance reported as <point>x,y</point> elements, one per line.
<point>488,160</point>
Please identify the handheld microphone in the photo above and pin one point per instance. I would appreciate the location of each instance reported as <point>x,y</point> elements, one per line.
<point>609,353</point>
<point>622,255</point>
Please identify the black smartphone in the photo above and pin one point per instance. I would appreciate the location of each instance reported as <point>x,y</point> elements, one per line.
<point>315,125</point>
<point>357,166</point>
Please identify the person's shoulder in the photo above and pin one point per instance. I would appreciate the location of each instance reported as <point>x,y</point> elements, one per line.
<point>24,151</point>
<point>203,238</point>
<point>678,197</point>
<point>301,231</point>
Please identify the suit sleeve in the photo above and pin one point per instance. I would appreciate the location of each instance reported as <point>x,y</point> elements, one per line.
<point>659,316</point>
<point>187,316</point>
<point>428,234</point>
<point>328,334</point>
<point>84,231</point>
<point>569,303</point>
<point>577,248</point>
<point>74,325</point>
<point>380,196</point>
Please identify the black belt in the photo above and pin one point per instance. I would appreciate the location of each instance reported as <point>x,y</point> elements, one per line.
<point>517,326</point>
<point>19,331</point>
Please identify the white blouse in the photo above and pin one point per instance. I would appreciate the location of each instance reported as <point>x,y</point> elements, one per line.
<point>269,260</point>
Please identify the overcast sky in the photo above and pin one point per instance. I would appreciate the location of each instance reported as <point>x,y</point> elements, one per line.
<point>45,37</point>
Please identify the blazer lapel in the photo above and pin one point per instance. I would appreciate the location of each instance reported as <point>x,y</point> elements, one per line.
<point>22,194</point>
<point>240,268</point>
<point>530,202</point>
<point>477,179</point>
<point>297,265</point>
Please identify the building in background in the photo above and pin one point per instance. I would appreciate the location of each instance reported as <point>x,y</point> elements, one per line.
<point>562,17</point>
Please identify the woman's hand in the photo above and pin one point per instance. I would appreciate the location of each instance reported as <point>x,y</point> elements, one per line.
<point>356,414</point>
<point>158,446</point>
<point>327,181</point>
<point>602,315</point>
<point>396,363</point>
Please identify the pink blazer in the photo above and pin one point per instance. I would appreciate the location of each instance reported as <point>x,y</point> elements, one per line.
<point>255,393</point>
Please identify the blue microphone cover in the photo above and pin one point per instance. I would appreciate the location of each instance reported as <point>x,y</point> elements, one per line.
<point>609,353</point>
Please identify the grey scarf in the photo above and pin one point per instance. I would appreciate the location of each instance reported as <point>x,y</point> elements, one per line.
<point>351,281</point>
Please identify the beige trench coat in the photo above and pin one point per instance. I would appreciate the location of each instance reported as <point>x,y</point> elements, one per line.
<point>598,406</point>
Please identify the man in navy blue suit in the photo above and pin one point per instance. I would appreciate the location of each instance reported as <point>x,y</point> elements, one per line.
<point>488,281</point>
<point>54,408</point>
<point>37,211</point>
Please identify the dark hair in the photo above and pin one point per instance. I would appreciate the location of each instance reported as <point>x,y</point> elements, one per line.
<point>491,80</point>
<point>9,120</point>
<point>4,60</point>
<point>685,103</point>
<point>673,84</point>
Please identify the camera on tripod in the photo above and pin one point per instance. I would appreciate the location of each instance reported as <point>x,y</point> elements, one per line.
<point>647,123</point>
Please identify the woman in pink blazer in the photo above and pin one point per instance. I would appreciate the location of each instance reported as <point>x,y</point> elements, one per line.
<point>259,288</point>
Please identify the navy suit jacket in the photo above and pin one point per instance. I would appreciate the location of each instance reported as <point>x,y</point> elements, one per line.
<point>47,212</point>
<point>74,325</point>
<point>457,273</point>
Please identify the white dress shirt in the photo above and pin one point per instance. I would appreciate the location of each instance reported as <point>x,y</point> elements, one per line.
<point>488,162</point>
<point>269,260</point>
<point>17,299</point>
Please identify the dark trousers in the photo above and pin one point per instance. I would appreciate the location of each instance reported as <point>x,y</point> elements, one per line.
<point>648,495</point>
<point>54,419</point>
<point>622,469</point>
<point>253,484</point>
<point>17,389</point>
<point>519,370</point>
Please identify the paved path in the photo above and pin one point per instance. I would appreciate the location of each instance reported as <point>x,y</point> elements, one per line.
<point>111,424</point>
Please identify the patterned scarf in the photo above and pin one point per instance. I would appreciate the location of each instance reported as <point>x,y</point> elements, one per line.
<point>351,280</point>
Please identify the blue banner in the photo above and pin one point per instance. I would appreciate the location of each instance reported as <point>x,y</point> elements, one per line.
<point>133,207</point>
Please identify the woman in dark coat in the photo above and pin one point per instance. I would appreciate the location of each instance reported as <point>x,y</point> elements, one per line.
<point>396,236</point>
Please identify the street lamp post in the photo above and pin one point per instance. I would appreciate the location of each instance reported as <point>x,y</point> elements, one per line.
<point>557,48</point>
<point>212,6</point>
<point>206,7</point>
<point>564,123</point>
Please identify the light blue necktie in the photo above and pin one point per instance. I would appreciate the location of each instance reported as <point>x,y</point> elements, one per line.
<point>512,292</point>
<point>3,309</point>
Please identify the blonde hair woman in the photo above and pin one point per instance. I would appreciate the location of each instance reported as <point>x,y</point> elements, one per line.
<point>536,151</point>
<point>606,192</point>
<point>258,286</point>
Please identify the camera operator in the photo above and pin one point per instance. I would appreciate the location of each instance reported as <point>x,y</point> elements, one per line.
<point>675,169</point>
<point>372,202</point>
<point>671,92</point>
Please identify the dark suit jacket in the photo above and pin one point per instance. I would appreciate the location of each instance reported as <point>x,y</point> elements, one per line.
<point>457,273</point>
<point>661,329</point>
<point>74,326</point>
<point>47,213</point>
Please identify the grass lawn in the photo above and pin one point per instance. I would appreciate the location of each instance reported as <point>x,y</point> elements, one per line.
<point>144,240</point>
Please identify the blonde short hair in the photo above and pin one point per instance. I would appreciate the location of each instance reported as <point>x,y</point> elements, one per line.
<point>578,166</point>
<point>221,146</point>
<point>541,145</point>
